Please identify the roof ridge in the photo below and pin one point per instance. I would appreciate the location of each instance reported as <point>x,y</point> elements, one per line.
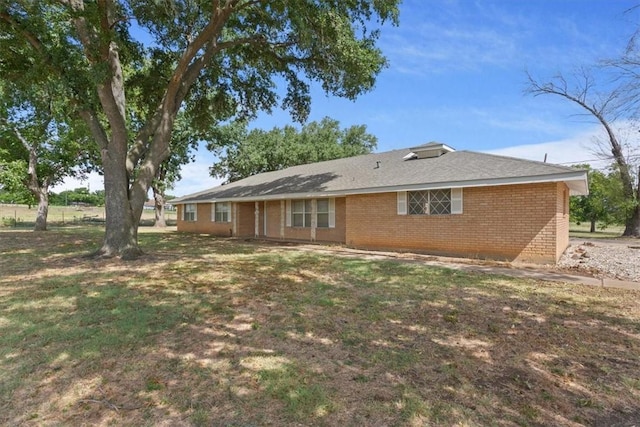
<point>568,168</point>
<point>387,169</point>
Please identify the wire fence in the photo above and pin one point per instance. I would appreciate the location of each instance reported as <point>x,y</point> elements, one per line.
<point>24,216</point>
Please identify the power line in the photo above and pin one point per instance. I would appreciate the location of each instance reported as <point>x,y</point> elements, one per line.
<point>600,159</point>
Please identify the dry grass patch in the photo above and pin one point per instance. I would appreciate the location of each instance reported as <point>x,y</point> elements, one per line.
<point>23,217</point>
<point>205,331</point>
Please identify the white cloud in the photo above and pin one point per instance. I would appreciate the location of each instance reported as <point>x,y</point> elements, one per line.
<point>589,146</point>
<point>195,177</point>
<point>94,182</point>
<point>432,48</point>
<point>578,149</point>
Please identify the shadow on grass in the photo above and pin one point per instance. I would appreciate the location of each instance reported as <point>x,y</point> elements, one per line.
<point>206,331</point>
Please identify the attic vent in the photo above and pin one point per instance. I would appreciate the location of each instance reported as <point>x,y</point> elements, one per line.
<point>426,151</point>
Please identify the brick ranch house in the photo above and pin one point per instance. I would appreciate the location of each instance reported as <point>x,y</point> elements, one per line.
<point>429,199</point>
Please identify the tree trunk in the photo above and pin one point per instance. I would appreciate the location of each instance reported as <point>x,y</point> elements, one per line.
<point>592,229</point>
<point>43,209</point>
<point>121,226</point>
<point>40,191</point>
<point>129,174</point>
<point>158,198</point>
<point>632,225</point>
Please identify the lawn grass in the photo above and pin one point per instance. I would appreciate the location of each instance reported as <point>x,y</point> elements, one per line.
<point>582,230</point>
<point>206,331</point>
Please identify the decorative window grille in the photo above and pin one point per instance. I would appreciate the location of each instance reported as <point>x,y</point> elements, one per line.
<point>429,202</point>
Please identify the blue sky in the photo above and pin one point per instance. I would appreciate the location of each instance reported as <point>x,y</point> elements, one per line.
<point>457,74</point>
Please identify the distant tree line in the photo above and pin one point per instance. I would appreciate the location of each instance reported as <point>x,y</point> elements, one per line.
<point>77,196</point>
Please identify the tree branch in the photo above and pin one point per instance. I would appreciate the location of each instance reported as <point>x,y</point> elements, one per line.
<point>32,170</point>
<point>29,36</point>
<point>598,112</point>
<point>185,73</point>
<point>96,128</point>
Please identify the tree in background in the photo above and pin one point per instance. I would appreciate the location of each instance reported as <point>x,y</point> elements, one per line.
<point>212,59</point>
<point>605,203</point>
<point>185,140</point>
<point>247,153</point>
<point>80,195</point>
<point>609,107</point>
<point>37,150</point>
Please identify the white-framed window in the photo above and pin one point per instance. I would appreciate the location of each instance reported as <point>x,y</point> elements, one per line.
<point>221,212</point>
<point>301,213</point>
<point>322,213</point>
<point>190,212</point>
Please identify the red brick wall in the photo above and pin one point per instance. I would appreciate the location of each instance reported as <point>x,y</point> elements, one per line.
<point>245,225</point>
<point>562,219</point>
<point>513,222</point>
<point>297,233</point>
<point>245,217</point>
<point>338,233</point>
<point>203,223</point>
<point>273,219</point>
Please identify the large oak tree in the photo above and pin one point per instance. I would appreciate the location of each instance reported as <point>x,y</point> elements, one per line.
<point>211,59</point>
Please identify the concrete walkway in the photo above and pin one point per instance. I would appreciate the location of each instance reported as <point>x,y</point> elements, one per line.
<point>530,271</point>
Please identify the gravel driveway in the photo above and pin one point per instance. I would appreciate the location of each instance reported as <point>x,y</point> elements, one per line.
<point>619,259</point>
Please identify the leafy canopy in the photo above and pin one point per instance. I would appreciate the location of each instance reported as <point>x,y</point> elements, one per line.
<point>605,204</point>
<point>39,145</point>
<point>248,153</point>
<point>129,67</point>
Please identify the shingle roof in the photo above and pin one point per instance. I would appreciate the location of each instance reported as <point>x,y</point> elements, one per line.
<point>387,171</point>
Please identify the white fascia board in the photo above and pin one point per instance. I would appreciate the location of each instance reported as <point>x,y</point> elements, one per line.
<point>577,182</point>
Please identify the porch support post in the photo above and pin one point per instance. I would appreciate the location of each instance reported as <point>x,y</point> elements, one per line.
<point>314,219</point>
<point>264,219</point>
<point>256,214</point>
<point>234,218</point>
<point>283,212</point>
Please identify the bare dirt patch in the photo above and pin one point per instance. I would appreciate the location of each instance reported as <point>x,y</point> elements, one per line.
<point>205,331</point>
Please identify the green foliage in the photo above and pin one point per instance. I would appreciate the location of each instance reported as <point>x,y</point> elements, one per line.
<point>209,62</point>
<point>39,144</point>
<point>251,152</point>
<point>605,204</point>
<point>12,187</point>
<point>257,45</point>
<point>80,195</point>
